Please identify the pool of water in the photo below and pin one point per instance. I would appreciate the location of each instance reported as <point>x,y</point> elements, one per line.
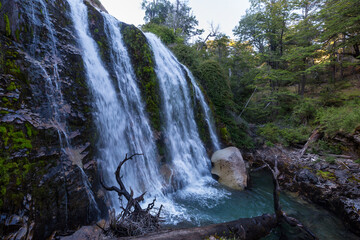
<point>209,202</point>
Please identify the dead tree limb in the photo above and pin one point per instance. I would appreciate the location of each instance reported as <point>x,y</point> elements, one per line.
<point>133,220</point>
<point>213,32</point>
<point>122,190</point>
<point>313,138</point>
<point>243,228</point>
<point>280,215</point>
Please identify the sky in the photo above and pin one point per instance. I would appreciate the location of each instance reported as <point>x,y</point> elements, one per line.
<point>225,13</point>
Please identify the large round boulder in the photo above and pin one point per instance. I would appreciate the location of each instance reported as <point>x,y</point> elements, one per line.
<point>229,167</point>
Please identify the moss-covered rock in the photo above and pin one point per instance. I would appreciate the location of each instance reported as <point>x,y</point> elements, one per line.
<point>143,62</point>
<point>36,177</point>
<point>217,87</point>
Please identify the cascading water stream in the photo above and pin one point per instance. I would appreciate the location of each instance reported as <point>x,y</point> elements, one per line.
<point>187,152</point>
<point>53,89</point>
<point>137,135</point>
<point>119,115</point>
<point>205,108</point>
<point>189,161</point>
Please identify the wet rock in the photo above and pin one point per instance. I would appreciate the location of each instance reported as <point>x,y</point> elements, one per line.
<point>306,176</point>
<point>229,166</point>
<point>59,199</point>
<point>87,233</point>
<point>13,223</point>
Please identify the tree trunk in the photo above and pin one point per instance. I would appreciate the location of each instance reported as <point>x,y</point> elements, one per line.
<point>243,228</point>
<point>302,85</point>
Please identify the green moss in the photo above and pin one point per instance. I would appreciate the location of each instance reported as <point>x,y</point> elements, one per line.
<point>3,130</point>
<point>7,25</point>
<point>12,176</point>
<point>15,139</point>
<point>4,112</point>
<point>12,67</point>
<point>142,60</point>
<point>326,175</point>
<point>11,87</point>
<point>354,179</point>
<point>16,173</point>
<point>17,34</point>
<point>28,130</point>
<point>224,134</point>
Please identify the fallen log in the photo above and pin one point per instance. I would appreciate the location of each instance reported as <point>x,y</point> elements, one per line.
<point>313,138</point>
<point>243,228</point>
<point>336,156</point>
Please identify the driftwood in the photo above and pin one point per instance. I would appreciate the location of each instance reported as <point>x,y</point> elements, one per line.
<point>243,228</point>
<point>133,220</point>
<point>313,138</point>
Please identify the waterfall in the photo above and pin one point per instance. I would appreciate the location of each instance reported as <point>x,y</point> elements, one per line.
<point>205,108</point>
<point>189,161</point>
<point>136,134</point>
<point>120,115</point>
<point>124,126</point>
<point>187,152</point>
<point>57,116</point>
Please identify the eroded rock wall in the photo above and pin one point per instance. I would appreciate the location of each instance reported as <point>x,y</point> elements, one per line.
<point>47,136</point>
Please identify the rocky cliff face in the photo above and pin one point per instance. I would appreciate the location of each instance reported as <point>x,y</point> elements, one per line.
<point>47,137</point>
<point>48,170</point>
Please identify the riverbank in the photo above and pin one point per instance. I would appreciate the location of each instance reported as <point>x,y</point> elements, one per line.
<point>333,184</point>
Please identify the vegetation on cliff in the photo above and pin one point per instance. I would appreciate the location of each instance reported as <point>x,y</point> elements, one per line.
<point>292,68</point>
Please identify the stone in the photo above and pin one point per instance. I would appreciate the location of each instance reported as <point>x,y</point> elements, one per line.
<point>229,166</point>
<point>306,176</point>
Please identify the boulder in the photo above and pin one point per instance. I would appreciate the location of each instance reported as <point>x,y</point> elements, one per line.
<point>229,167</point>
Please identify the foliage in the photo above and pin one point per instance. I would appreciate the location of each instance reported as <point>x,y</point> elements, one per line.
<point>324,146</point>
<point>330,159</point>
<point>142,60</point>
<point>156,12</point>
<point>339,119</point>
<point>166,35</point>
<point>286,136</point>
<point>216,84</point>
<point>177,17</point>
<point>340,23</point>
<point>304,111</point>
<point>187,55</point>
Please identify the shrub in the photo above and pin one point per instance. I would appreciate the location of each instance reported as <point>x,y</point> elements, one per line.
<point>304,112</point>
<point>330,159</point>
<point>286,136</point>
<point>339,119</point>
<point>166,35</point>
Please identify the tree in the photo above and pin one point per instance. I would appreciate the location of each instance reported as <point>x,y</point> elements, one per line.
<point>178,17</point>
<point>341,24</point>
<point>302,47</point>
<point>264,26</point>
<point>340,31</point>
<point>156,11</point>
<point>182,21</point>
<point>250,30</point>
